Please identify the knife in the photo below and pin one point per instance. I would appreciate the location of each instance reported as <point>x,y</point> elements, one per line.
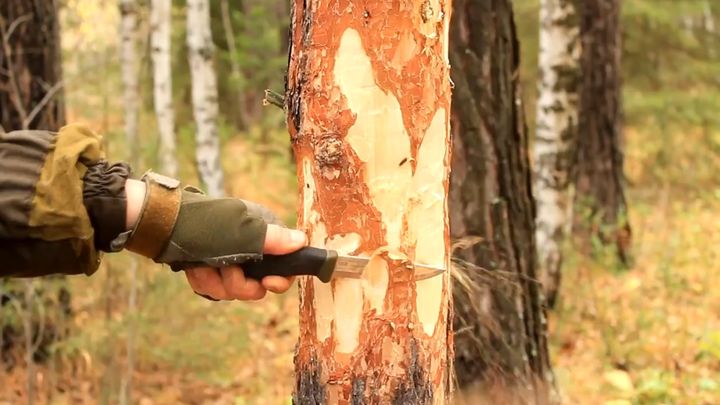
<point>321,263</point>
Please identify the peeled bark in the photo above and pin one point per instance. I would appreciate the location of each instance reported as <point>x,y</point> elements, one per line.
<point>162,82</point>
<point>368,102</point>
<point>204,96</point>
<point>600,205</point>
<point>501,353</point>
<point>557,119</point>
<point>130,74</point>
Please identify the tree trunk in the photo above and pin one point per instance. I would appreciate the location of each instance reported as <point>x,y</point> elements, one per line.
<point>31,82</point>
<point>368,111</point>
<point>600,205</point>
<point>130,71</point>
<point>501,352</point>
<point>557,119</point>
<point>240,111</point>
<point>131,102</point>
<point>204,96</point>
<point>31,97</point>
<point>162,82</point>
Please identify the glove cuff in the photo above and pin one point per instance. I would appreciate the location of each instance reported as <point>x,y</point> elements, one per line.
<point>158,216</point>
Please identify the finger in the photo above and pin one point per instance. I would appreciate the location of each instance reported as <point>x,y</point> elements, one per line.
<point>280,241</point>
<point>206,281</point>
<point>277,284</point>
<point>241,288</point>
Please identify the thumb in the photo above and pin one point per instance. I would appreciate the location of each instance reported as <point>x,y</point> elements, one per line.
<point>280,241</point>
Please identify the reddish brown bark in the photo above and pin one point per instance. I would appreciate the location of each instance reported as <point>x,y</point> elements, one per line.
<point>368,101</point>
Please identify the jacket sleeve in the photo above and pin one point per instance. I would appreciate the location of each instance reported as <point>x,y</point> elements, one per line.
<point>61,203</point>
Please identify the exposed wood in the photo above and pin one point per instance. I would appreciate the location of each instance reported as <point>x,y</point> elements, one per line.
<point>161,17</point>
<point>368,102</point>
<point>204,96</point>
<point>600,205</point>
<point>501,353</point>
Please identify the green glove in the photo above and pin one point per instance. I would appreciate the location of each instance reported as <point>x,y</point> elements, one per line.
<point>184,228</point>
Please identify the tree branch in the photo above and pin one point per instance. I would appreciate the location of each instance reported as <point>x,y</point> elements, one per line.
<point>15,96</point>
<point>38,108</point>
<point>273,98</point>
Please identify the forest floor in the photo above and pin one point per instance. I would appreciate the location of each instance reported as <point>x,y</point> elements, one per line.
<point>647,335</point>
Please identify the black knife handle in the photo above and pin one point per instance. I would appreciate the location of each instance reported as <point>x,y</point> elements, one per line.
<point>308,261</point>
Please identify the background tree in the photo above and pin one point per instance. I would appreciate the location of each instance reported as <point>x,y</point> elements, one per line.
<point>130,71</point>
<point>600,203</point>
<point>556,131</point>
<point>31,98</point>
<point>204,96</point>
<point>368,110</point>
<point>160,40</point>
<point>501,349</point>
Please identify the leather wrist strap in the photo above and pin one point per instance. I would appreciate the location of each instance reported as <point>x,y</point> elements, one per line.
<point>157,217</point>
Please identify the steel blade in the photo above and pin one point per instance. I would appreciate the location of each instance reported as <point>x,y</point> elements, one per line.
<point>353,267</point>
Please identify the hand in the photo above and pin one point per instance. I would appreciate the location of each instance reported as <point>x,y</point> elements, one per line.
<point>229,283</point>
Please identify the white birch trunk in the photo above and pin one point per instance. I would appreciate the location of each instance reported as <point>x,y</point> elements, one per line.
<point>129,72</point>
<point>130,81</point>
<point>204,95</point>
<point>557,117</point>
<point>162,82</point>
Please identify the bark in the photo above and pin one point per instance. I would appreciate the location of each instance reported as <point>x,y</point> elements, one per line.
<point>31,93</point>
<point>501,352</point>
<point>557,119</point>
<point>130,75</point>
<point>368,110</point>
<point>204,96</point>
<point>600,205</point>
<point>31,97</point>
<point>162,82</point>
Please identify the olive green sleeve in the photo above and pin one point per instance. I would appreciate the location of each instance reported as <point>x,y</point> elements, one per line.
<point>53,188</point>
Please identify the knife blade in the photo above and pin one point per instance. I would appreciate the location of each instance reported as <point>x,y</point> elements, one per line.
<point>322,263</point>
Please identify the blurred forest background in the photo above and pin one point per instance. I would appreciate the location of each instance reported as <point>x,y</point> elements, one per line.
<point>649,334</point>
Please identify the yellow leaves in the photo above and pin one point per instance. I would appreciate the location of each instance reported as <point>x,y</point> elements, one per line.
<point>620,381</point>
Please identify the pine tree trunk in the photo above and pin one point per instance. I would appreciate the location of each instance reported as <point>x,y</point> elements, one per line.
<point>368,111</point>
<point>600,204</point>
<point>130,72</point>
<point>31,92</point>
<point>204,95</point>
<point>162,82</point>
<point>557,120</point>
<point>501,353</point>
<point>31,97</point>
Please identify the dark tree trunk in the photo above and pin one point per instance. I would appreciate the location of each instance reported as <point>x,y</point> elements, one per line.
<point>600,204</point>
<point>501,345</point>
<point>32,66</point>
<point>31,98</point>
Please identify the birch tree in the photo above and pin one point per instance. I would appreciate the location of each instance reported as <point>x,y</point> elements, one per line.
<point>600,204</point>
<point>368,102</point>
<point>131,99</point>
<point>129,72</point>
<point>204,95</point>
<point>160,39</point>
<point>501,352</point>
<point>557,119</point>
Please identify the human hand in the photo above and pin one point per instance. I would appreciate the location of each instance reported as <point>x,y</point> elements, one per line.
<point>229,283</point>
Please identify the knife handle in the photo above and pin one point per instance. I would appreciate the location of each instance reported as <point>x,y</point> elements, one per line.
<point>308,261</point>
